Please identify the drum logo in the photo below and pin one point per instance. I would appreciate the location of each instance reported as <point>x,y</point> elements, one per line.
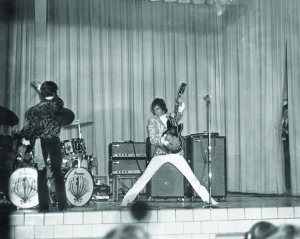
<point>78,187</point>
<point>25,188</point>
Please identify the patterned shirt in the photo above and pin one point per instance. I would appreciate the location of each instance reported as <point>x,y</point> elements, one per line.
<point>156,127</point>
<point>44,119</point>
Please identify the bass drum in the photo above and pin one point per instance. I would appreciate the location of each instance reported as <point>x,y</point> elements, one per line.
<point>22,188</point>
<point>79,187</point>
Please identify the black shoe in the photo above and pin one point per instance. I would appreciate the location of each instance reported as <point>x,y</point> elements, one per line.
<point>44,209</point>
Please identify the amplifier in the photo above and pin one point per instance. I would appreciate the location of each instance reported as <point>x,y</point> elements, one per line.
<point>127,166</point>
<point>127,150</point>
<point>101,192</point>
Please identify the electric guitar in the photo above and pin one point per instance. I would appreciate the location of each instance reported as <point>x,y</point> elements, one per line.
<point>173,133</point>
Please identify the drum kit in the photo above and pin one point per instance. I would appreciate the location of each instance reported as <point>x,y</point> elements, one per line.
<point>21,189</point>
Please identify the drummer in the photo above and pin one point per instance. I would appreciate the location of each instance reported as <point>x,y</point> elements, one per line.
<point>43,129</point>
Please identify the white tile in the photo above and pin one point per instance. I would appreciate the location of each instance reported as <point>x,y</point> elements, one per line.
<point>200,236</point>
<point>285,212</point>
<point>210,227</point>
<point>297,211</point>
<point>156,228</point>
<point>71,218</point>
<point>63,231</point>
<point>192,227</point>
<point>174,228</point>
<point>54,219</point>
<point>252,213</point>
<point>201,214</point>
<point>294,221</point>
<point>236,213</point>
<point>243,225</point>
<point>166,215</point>
<point>164,237</point>
<point>227,227</point>
<point>99,230</point>
<point>269,212</point>
<point>82,231</point>
<point>34,219</point>
<point>183,236</point>
<point>111,217</point>
<point>219,214</point>
<point>92,217</point>
<point>43,231</point>
<point>17,219</point>
<point>24,232</point>
<point>184,215</point>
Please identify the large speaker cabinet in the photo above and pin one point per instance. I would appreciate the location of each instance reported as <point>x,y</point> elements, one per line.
<point>196,151</point>
<point>167,182</point>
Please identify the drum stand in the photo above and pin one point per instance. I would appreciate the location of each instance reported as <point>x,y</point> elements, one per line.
<point>209,154</point>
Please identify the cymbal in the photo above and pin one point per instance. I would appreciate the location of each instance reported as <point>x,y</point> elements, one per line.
<point>67,117</point>
<point>7,117</point>
<point>78,123</point>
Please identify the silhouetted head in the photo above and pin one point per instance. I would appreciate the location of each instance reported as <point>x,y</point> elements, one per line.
<point>261,230</point>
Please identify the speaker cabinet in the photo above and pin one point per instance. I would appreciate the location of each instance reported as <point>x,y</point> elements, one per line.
<point>196,151</point>
<point>167,183</point>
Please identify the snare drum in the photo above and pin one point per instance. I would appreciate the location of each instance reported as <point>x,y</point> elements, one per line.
<point>79,187</point>
<point>71,148</point>
<point>22,188</point>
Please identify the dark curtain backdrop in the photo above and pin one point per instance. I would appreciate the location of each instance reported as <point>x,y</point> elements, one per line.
<point>111,58</point>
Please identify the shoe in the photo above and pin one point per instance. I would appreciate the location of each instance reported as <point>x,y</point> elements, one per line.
<point>44,209</point>
<point>213,202</point>
<point>124,203</point>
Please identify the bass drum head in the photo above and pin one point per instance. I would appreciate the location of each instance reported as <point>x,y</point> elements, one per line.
<point>79,186</point>
<point>22,188</point>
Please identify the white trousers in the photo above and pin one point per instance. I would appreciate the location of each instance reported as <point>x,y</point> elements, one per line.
<point>156,162</point>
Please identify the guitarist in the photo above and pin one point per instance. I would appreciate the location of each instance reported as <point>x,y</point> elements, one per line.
<point>157,125</point>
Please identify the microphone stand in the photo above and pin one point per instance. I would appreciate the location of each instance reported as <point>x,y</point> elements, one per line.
<point>209,153</point>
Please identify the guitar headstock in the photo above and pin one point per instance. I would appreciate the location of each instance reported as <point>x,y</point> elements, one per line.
<point>181,89</point>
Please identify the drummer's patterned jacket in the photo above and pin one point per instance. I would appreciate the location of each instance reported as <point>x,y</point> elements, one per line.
<point>43,120</point>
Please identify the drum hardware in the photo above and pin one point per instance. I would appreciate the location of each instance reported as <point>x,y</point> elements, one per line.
<point>72,148</point>
<point>78,124</point>
<point>8,118</point>
<point>67,117</point>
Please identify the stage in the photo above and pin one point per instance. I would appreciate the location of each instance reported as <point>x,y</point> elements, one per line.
<point>161,218</point>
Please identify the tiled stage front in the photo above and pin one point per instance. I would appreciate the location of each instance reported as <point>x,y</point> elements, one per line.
<point>165,219</point>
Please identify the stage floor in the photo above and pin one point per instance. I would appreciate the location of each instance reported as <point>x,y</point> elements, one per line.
<point>232,200</point>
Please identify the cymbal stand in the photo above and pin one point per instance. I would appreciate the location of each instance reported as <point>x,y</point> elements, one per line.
<point>209,153</point>
<point>79,136</point>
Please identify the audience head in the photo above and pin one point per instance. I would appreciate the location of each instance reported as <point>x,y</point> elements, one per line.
<point>261,230</point>
<point>286,232</point>
<point>127,232</point>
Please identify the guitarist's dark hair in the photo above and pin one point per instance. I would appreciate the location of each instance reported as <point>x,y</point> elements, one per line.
<point>161,103</point>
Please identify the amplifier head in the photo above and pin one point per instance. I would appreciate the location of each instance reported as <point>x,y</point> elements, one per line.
<point>127,150</point>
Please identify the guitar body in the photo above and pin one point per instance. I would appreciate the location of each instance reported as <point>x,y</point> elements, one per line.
<point>173,137</point>
<point>173,133</point>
